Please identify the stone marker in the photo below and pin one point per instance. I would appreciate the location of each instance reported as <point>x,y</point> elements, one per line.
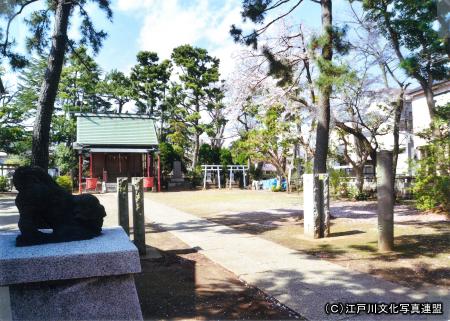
<point>80,280</point>
<point>177,170</point>
<point>138,214</point>
<point>385,200</point>
<point>122,204</point>
<point>316,218</point>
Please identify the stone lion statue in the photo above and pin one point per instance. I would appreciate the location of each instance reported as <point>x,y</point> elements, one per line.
<point>44,204</point>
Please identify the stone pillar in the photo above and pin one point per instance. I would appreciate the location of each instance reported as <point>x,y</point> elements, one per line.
<point>316,209</point>
<point>204,179</point>
<point>138,214</point>
<point>122,204</point>
<point>385,198</point>
<point>218,176</point>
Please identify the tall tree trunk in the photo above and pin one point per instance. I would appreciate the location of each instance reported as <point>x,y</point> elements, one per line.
<point>397,116</point>
<point>359,173</point>
<point>196,150</point>
<point>41,130</point>
<point>161,137</point>
<point>196,136</point>
<point>323,115</point>
<point>429,95</point>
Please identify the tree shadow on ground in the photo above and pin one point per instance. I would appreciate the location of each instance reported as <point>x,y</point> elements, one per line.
<point>234,223</point>
<point>309,291</point>
<point>258,222</point>
<point>184,284</point>
<point>411,247</point>
<point>414,245</point>
<point>416,276</point>
<point>367,210</point>
<point>325,251</point>
<point>345,233</point>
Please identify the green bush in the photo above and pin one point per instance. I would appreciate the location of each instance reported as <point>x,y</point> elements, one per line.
<point>432,191</point>
<point>167,155</point>
<point>338,182</point>
<point>4,186</point>
<point>432,185</point>
<point>276,188</point>
<point>357,196</point>
<point>196,176</point>
<point>64,158</point>
<point>255,172</point>
<point>20,160</point>
<point>65,182</point>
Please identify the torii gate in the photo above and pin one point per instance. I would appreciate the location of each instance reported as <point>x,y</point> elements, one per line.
<point>242,168</point>
<point>207,168</point>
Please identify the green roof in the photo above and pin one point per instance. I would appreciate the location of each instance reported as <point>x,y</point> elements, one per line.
<point>119,130</point>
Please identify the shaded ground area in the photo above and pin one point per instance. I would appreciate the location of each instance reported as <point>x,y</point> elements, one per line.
<point>422,241</point>
<point>183,284</point>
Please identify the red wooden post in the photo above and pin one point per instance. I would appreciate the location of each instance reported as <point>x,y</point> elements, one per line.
<point>80,174</point>
<point>159,173</point>
<point>90,165</point>
<point>148,165</point>
<point>152,172</point>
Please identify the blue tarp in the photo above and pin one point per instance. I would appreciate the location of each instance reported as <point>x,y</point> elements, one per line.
<point>269,183</point>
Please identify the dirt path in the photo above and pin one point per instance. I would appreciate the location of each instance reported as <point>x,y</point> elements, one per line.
<point>184,284</point>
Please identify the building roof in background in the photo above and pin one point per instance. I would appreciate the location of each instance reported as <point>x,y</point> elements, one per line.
<point>438,85</point>
<point>115,130</point>
<point>269,167</point>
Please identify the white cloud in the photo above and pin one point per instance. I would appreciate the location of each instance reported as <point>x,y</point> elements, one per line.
<point>171,23</point>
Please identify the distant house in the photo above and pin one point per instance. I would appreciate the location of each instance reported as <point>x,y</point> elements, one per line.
<point>116,145</point>
<point>420,114</point>
<point>414,119</point>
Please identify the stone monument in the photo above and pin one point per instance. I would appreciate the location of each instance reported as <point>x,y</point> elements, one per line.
<point>177,171</point>
<point>80,280</point>
<point>316,209</point>
<point>177,179</point>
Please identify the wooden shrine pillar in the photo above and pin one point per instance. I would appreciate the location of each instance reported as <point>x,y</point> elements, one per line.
<point>149,159</point>
<point>90,164</point>
<point>159,173</point>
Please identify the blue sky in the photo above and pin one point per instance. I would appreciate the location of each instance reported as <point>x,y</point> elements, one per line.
<point>161,25</point>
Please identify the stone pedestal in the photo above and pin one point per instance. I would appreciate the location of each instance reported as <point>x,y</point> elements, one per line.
<point>81,280</point>
<point>316,205</point>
